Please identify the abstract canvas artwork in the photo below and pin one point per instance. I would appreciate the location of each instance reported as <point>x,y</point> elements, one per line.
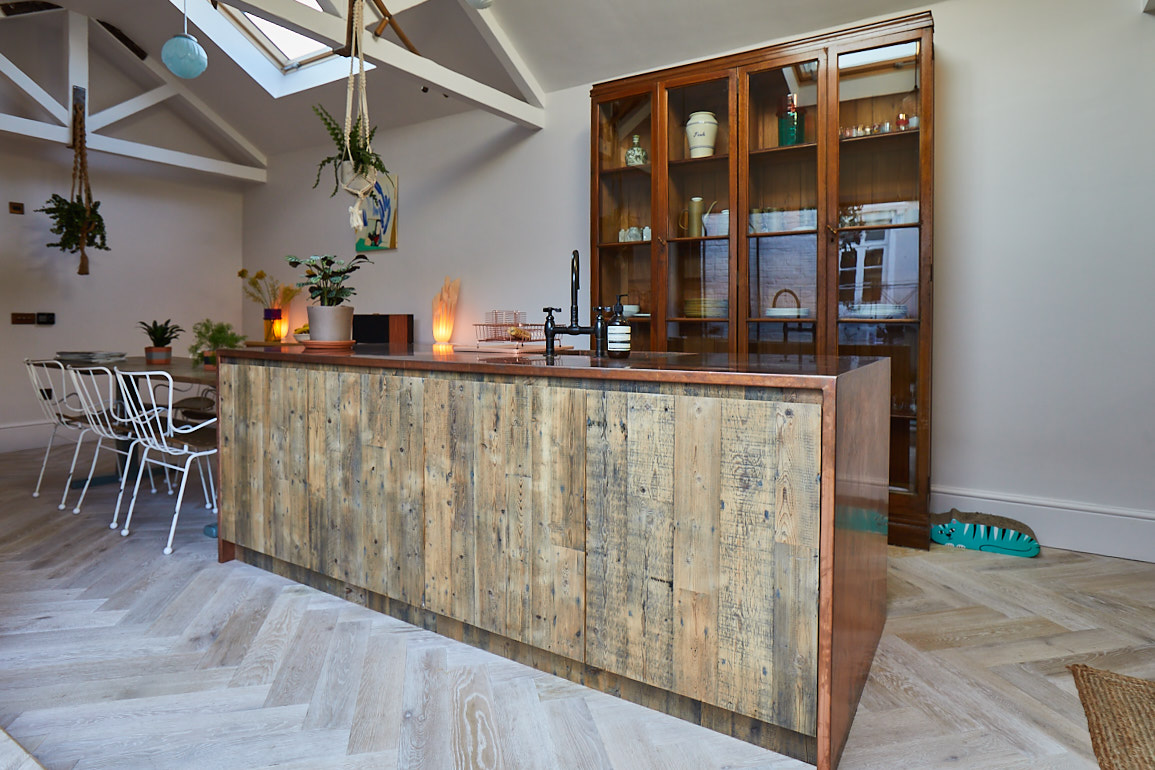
<point>380,216</point>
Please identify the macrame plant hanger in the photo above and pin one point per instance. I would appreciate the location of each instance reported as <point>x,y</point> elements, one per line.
<point>80,172</point>
<point>358,184</point>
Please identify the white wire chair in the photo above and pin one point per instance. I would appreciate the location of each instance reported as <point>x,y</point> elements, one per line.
<point>61,408</point>
<point>163,442</point>
<point>96,390</point>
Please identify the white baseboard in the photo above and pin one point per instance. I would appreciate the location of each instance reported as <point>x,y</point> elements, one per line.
<point>1128,533</point>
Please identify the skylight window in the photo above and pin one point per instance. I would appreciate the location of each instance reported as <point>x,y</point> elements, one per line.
<point>286,48</point>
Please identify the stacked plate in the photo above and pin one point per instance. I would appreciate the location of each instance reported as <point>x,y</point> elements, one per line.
<point>786,312</point>
<point>88,356</point>
<point>707,308</point>
<point>875,310</point>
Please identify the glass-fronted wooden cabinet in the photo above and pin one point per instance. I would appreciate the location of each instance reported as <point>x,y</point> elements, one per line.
<point>779,202</point>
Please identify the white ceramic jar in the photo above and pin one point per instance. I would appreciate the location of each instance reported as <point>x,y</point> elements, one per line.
<point>701,130</point>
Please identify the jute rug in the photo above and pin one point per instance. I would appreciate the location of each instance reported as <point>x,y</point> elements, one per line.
<point>1120,715</point>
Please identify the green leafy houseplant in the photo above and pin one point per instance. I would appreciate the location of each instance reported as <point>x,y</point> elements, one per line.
<point>210,337</point>
<point>161,334</point>
<point>355,147</point>
<point>325,277</point>
<point>78,227</point>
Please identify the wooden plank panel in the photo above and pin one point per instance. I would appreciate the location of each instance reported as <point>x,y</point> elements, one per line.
<point>293,533</point>
<point>317,417</point>
<point>256,465</point>
<point>795,653</point>
<point>438,496</point>
<point>230,503</point>
<point>377,413</point>
<point>405,499</point>
<point>697,508</point>
<point>518,527</point>
<point>798,429</point>
<point>746,556</point>
<point>463,543</point>
<point>347,558</point>
<point>491,555</point>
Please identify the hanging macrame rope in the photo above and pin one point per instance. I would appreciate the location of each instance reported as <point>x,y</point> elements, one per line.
<point>360,185</point>
<point>80,183</point>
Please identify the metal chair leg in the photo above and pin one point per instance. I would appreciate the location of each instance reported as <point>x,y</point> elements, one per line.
<point>91,470</point>
<point>44,462</point>
<point>176,511</point>
<point>135,490</point>
<point>71,468</point>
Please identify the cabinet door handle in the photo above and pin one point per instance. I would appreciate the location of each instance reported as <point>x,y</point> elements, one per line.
<point>833,233</point>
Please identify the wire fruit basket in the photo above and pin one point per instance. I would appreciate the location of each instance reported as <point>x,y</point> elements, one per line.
<point>508,326</point>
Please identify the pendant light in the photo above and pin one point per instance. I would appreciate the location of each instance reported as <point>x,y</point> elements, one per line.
<point>183,55</point>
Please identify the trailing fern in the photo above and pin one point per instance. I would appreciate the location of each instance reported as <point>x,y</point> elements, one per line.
<point>78,228</point>
<point>357,147</point>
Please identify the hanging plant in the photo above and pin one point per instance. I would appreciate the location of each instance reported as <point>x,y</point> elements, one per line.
<point>353,147</point>
<point>77,219</point>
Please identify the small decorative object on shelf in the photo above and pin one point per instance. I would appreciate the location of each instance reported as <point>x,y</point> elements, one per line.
<point>444,306</point>
<point>636,155</point>
<point>701,130</point>
<point>791,128</point>
<point>273,296</point>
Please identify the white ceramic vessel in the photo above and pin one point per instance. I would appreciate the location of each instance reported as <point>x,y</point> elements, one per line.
<point>701,130</point>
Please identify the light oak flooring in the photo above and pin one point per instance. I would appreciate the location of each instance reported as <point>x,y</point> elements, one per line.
<point>114,655</point>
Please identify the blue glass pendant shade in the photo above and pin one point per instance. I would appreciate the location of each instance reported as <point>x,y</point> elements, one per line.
<point>184,57</point>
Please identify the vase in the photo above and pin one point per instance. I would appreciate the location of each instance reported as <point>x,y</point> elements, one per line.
<point>330,324</point>
<point>155,356</point>
<point>636,155</point>
<point>274,327</point>
<point>701,130</point>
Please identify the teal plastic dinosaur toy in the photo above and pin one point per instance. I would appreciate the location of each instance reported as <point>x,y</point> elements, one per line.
<point>984,532</point>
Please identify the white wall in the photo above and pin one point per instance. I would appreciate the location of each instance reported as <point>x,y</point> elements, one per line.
<point>497,206</point>
<point>174,250</point>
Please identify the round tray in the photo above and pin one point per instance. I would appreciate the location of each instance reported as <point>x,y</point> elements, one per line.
<point>328,344</point>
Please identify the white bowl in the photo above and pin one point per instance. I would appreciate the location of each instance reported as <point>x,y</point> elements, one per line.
<point>301,337</point>
<point>629,311</point>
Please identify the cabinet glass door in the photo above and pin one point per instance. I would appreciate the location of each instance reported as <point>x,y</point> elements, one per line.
<point>625,222</point>
<point>878,241</point>
<point>698,217</point>
<point>781,221</point>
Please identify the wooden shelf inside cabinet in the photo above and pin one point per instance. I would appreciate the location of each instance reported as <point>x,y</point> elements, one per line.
<point>698,239</point>
<point>786,148</point>
<point>776,233</point>
<point>782,320</point>
<point>619,244</point>
<point>881,137</point>
<point>877,320</point>
<point>698,319</point>
<point>646,169</point>
<point>879,226</point>
<point>721,159</point>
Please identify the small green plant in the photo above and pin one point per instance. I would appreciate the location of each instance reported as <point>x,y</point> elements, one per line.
<point>325,277</point>
<point>267,291</point>
<point>355,147</point>
<point>161,334</point>
<point>212,336</point>
<point>78,226</point>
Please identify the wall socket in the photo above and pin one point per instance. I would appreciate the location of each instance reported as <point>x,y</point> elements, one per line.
<point>23,318</point>
<point>15,208</point>
<point>45,319</point>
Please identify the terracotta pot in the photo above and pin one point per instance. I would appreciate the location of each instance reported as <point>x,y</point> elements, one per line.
<point>158,356</point>
<point>330,324</point>
<point>210,361</point>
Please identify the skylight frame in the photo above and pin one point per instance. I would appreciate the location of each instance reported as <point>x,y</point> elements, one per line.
<point>263,43</point>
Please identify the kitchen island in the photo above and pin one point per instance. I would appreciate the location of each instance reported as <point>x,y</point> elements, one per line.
<point>700,534</point>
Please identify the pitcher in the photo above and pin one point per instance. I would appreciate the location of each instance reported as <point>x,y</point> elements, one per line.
<point>693,217</point>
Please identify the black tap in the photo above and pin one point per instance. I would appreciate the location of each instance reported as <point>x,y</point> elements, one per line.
<point>597,329</point>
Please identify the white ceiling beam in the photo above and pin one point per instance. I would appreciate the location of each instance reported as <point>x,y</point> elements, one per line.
<point>315,24</point>
<point>30,87</point>
<point>37,129</point>
<point>129,107</point>
<point>77,48</point>
<point>498,41</point>
<point>176,158</point>
<point>1149,6</point>
<point>210,115</point>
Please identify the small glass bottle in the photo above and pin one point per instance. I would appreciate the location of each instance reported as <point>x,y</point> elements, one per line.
<point>618,332</point>
<point>636,155</point>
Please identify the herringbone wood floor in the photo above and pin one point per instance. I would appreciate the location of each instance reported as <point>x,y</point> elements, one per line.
<point>113,655</point>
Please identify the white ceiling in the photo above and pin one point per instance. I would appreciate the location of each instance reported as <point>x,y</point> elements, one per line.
<point>563,43</point>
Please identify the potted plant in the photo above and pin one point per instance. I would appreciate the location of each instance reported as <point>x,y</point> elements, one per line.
<point>211,337</point>
<point>355,165</point>
<point>161,336</point>
<point>273,296</point>
<point>78,224</point>
<point>325,279</point>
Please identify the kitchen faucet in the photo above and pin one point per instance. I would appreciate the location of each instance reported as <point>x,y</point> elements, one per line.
<point>598,329</point>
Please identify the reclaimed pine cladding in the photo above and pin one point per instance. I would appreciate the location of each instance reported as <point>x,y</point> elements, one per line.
<point>675,527</point>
